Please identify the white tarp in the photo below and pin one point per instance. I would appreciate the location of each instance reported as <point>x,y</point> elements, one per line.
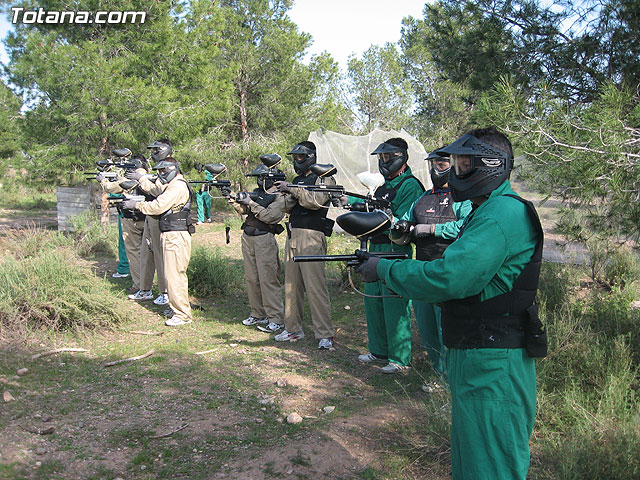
<point>352,155</point>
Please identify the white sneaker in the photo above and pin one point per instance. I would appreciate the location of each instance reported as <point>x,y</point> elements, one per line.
<point>272,327</point>
<point>176,322</point>
<point>394,368</point>
<point>162,299</point>
<point>119,275</point>
<point>289,336</point>
<point>255,321</point>
<point>141,295</point>
<point>369,357</point>
<point>325,343</point>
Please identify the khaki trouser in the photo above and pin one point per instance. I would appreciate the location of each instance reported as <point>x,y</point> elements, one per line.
<point>156,247</point>
<point>176,252</point>
<point>132,231</point>
<point>147,263</point>
<point>307,277</point>
<point>261,272</point>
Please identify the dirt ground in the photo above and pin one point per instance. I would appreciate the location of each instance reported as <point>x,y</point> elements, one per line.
<point>234,399</point>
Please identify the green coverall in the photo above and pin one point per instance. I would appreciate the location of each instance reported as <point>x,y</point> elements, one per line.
<point>428,314</point>
<point>493,391</point>
<point>123,261</point>
<point>389,319</point>
<point>203,200</point>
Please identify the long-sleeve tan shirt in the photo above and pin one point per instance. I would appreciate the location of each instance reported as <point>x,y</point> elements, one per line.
<point>307,199</point>
<point>174,197</point>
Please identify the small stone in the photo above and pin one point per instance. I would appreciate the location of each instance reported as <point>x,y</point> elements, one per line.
<point>233,344</point>
<point>282,382</point>
<point>6,395</point>
<point>41,451</point>
<point>329,409</point>
<point>38,464</point>
<point>290,471</point>
<point>47,418</point>
<point>635,305</point>
<point>347,307</point>
<point>294,418</point>
<point>266,400</point>
<point>22,371</point>
<point>259,420</point>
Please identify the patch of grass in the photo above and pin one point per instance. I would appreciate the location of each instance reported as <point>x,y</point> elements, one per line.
<point>91,238</point>
<point>55,292</point>
<point>211,274</point>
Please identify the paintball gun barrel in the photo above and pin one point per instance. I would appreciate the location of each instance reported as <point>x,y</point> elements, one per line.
<point>215,169</point>
<point>362,225</point>
<point>371,181</point>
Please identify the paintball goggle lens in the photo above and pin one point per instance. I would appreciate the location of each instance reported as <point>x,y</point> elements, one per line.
<point>440,164</point>
<point>462,164</point>
<point>387,157</point>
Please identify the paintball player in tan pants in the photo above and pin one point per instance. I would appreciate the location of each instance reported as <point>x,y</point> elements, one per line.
<point>260,251</point>
<point>307,232</point>
<point>151,256</point>
<point>132,222</point>
<point>173,206</point>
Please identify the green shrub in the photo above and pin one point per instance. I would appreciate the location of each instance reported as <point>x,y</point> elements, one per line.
<point>211,274</point>
<point>53,291</point>
<point>597,452</point>
<point>91,238</point>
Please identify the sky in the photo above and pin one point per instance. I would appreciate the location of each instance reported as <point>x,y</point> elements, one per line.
<point>341,27</point>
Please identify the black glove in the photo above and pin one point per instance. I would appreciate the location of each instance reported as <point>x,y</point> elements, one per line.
<point>424,230</point>
<point>283,187</point>
<point>129,204</point>
<point>402,226</point>
<point>368,269</point>
<point>243,198</point>
<point>359,207</point>
<point>133,175</point>
<point>225,191</point>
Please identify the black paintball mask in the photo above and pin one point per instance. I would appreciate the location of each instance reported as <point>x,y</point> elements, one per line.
<point>167,170</point>
<point>260,173</point>
<point>391,159</point>
<point>160,150</point>
<point>478,168</point>
<point>439,176</point>
<point>304,155</point>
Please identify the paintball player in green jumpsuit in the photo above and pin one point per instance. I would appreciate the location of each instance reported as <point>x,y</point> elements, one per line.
<point>389,319</point>
<point>432,223</point>
<point>203,199</point>
<point>486,280</point>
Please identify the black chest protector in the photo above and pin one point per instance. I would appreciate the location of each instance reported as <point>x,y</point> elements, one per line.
<point>388,193</point>
<point>431,209</point>
<point>179,221</point>
<point>301,217</point>
<point>509,320</point>
<point>254,227</point>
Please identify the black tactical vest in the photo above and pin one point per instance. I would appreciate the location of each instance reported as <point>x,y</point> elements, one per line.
<point>179,221</point>
<point>254,227</point>
<point>509,320</point>
<point>388,193</point>
<point>301,217</point>
<point>435,208</point>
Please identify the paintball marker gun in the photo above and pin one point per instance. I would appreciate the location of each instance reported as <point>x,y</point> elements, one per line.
<point>362,225</point>
<point>369,180</point>
<point>267,173</point>
<point>109,168</point>
<point>215,169</point>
